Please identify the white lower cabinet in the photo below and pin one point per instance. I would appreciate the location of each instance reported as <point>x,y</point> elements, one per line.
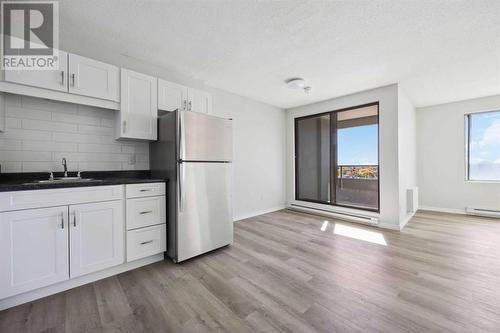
<point>96,236</point>
<point>56,235</point>
<point>33,249</point>
<point>145,242</point>
<point>146,220</point>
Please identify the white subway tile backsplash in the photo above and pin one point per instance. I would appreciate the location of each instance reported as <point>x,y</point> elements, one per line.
<point>11,167</point>
<point>13,122</point>
<point>88,129</point>
<point>13,100</point>
<point>50,146</point>
<point>101,166</point>
<point>108,123</point>
<point>47,105</point>
<point>72,119</point>
<point>13,133</point>
<point>6,144</point>
<point>29,156</point>
<point>41,167</point>
<point>76,137</point>
<point>98,148</point>
<point>39,133</point>
<point>89,111</point>
<point>52,126</point>
<point>18,112</point>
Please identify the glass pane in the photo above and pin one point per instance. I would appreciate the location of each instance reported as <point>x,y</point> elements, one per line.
<point>357,158</point>
<point>484,146</point>
<point>313,167</point>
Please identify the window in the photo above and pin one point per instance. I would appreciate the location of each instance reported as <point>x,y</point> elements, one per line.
<point>336,160</point>
<point>483,146</point>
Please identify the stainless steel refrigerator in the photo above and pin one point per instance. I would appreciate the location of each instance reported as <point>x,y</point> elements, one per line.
<point>194,151</point>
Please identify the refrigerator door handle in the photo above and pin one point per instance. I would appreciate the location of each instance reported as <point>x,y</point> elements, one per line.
<point>180,124</point>
<point>181,181</point>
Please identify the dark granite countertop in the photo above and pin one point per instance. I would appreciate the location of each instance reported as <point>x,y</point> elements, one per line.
<point>27,181</point>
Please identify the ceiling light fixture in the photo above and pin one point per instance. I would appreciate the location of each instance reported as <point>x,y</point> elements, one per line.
<point>298,83</point>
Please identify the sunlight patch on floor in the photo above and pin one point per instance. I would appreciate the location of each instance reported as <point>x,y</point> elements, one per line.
<point>358,233</point>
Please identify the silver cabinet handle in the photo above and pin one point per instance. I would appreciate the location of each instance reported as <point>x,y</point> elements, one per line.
<point>146,212</point>
<point>145,190</point>
<point>74,219</point>
<point>189,105</point>
<point>147,242</point>
<point>62,221</point>
<point>73,79</point>
<point>62,78</point>
<point>124,125</point>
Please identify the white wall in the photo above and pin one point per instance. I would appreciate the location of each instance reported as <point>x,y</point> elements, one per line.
<point>407,153</point>
<point>388,148</point>
<point>441,158</point>
<point>40,132</point>
<point>259,133</point>
<point>258,147</point>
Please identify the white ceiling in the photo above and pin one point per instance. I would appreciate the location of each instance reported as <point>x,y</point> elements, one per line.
<point>439,51</point>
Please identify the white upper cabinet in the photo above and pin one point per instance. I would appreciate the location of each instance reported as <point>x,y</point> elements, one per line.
<point>33,249</point>
<point>199,101</point>
<point>97,232</point>
<point>139,106</point>
<point>53,80</point>
<point>93,78</point>
<point>171,96</point>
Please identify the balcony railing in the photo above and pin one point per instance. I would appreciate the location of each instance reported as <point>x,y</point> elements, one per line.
<point>360,171</point>
<point>357,185</point>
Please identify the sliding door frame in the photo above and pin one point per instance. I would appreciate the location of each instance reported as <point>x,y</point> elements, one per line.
<point>334,158</point>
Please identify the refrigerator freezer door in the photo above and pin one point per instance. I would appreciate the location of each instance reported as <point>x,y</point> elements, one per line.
<point>204,137</point>
<point>204,208</point>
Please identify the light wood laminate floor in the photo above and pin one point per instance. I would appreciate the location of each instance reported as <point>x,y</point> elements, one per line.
<point>291,272</point>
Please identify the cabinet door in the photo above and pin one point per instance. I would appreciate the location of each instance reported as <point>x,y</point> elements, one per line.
<point>96,236</point>
<point>139,106</point>
<point>33,249</point>
<point>54,80</point>
<point>171,96</point>
<point>93,78</point>
<point>199,101</point>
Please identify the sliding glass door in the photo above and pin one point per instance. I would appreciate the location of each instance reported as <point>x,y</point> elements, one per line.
<point>336,158</point>
<point>312,135</point>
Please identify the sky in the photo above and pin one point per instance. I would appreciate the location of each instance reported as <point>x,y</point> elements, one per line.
<point>485,146</point>
<point>358,145</point>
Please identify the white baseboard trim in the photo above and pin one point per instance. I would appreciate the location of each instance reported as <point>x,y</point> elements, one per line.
<point>443,210</point>
<point>406,220</point>
<point>388,226</point>
<point>260,212</point>
<point>76,282</point>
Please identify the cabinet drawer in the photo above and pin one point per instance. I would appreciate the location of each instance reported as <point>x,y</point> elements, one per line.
<point>145,190</point>
<point>146,242</point>
<point>56,197</point>
<point>143,212</point>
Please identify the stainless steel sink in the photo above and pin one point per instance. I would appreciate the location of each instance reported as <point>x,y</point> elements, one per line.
<point>58,180</point>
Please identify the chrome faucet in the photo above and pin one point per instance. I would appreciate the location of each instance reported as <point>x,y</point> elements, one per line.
<point>65,165</point>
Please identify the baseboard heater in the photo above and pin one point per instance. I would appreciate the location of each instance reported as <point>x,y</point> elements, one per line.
<point>482,212</point>
<point>340,215</point>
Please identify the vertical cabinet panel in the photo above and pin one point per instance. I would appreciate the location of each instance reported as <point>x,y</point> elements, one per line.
<point>199,101</point>
<point>139,106</point>
<point>33,249</point>
<point>96,236</point>
<point>54,80</point>
<point>171,96</point>
<point>93,78</point>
